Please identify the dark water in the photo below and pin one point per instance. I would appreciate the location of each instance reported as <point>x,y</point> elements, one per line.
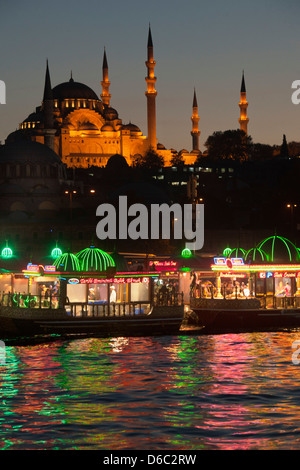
<point>238,391</point>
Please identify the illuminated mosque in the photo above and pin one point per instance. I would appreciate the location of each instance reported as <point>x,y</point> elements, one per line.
<point>86,131</point>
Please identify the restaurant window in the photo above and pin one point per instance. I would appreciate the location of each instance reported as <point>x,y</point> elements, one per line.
<point>21,285</point>
<point>119,292</point>
<point>5,283</point>
<point>140,291</point>
<point>76,292</point>
<point>283,287</point>
<point>260,286</point>
<point>97,293</point>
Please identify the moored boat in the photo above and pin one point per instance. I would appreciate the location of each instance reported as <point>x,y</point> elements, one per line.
<point>235,295</point>
<point>160,319</point>
<point>92,298</point>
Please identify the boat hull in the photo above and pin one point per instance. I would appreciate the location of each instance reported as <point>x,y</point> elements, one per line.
<point>161,320</point>
<point>241,317</point>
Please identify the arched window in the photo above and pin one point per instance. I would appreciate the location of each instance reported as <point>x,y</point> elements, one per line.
<point>23,171</point>
<point>12,171</point>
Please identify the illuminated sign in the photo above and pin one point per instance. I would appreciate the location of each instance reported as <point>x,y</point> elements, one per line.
<point>73,281</point>
<point>233,276</point>
<point>50,269</point>
<point>220,261</point>
<point>229,262</point>
<point>164,264</point>
<point>286,274</point>
<point>237,261</point>
<point>117,280</point>
<point>265,275</point>
<point>33,268</point>
<point>39,269</point>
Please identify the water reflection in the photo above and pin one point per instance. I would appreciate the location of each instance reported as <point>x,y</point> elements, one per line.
<point>211,392</point>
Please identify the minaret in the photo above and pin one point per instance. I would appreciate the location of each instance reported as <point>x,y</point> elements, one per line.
<point>49,131</point>
<point>243,107</point>
<point>105,82</point>
<point>195,120</point>
<point>151,95</point>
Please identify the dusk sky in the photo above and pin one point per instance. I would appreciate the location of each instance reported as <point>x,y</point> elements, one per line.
<point>197,43</point>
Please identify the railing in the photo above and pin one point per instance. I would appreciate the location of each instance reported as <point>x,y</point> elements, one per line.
<point>168,298</point>
<point>89,309</point>
<point>21,300</point>
<point>279,302</point>
<point>267,301</point>
<point>83,309</point>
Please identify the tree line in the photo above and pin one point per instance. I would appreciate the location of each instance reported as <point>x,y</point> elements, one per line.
<point>226,145</point>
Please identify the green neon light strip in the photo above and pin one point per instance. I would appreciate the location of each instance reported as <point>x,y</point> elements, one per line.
<point>284,240</point>
<point>290,254</point>
<point>6,252</point>
<point>94,259</point>
<point>66,260</point>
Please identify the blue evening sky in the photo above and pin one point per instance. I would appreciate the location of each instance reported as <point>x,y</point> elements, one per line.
<point>197,43</point>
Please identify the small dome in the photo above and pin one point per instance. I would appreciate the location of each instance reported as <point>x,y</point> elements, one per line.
<point>110,114</point>
<point>87,126</point>
<point>131,127</point>
<point>120,262</point>
<point>92,259</point>
<point>279,250</point>
<point>107,127</point>
<point>71,89</point>
<point>26,151</point>
<point>37,116</point>
<point>67,262</point>
<point>19,135</point>
<point>117,163</point>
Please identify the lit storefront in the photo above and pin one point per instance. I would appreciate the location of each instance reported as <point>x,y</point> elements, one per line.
<point>275,284</point>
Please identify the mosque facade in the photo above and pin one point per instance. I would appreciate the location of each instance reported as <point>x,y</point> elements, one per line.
<point>85,130</point>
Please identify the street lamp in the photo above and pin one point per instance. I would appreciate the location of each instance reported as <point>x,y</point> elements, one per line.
<point>292,208</point>
<point>70,193</point>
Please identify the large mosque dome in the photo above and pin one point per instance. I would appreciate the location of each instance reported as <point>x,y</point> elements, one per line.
<point>73,90</point>
<point>26,151</point>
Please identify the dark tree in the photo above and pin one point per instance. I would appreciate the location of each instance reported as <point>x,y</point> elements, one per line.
<point>259,152</point>
<point>230,145</point>
<point>294,149</point>
<point>284,151</point>
<point>177,160</point>
<point>151,160</point>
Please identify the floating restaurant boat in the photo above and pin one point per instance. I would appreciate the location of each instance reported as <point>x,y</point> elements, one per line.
<point>85,294</point>
<point>254,292</point>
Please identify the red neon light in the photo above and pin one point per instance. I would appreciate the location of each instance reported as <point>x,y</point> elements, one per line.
<point>33,268</point>
<point>118,280</point>
<point>163,264</point>
<point>229,275</point>
<point>286,274</point>
<point>50,269</point>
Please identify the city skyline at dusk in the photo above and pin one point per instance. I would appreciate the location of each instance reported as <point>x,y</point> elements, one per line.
<point>198,45</point>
